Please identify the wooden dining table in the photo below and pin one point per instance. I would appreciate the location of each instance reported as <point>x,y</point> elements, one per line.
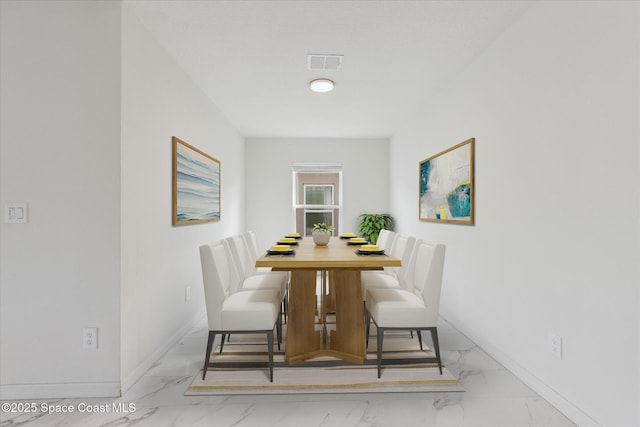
<point>343,266</point>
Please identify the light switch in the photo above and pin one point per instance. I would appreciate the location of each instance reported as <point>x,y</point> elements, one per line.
<point>15,213</point>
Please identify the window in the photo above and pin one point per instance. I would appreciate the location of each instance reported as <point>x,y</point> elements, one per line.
<point>318,205</point>
<point>316,196</point>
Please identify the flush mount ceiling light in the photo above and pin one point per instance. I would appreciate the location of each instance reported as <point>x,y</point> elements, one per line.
<point>321,85</point>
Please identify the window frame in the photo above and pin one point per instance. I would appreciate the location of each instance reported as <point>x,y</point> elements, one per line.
<point>334,179</point>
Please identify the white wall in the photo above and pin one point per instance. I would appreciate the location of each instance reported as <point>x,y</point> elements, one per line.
<point>89,106</point>
<point>554,108</point>
<point>60,153</point>
<point>365,180</point>
<point>158,260</point>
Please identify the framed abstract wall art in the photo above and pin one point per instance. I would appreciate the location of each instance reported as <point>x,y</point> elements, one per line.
<point>196,185</point>
<point>447,185</point>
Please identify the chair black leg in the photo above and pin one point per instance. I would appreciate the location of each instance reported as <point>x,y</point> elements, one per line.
<point>285,305</point>
<point>367,320</point>
<point>222,342</point>
<point>270,345</point>
<point>420,338</point>
<point>380,338</point>
<point>207,355</point>
<point>436,346</point>
<point>364,310</point>
<point>279,331</point>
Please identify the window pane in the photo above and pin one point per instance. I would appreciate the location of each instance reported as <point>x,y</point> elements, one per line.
<point>314,217</point>
<point>318,194</point>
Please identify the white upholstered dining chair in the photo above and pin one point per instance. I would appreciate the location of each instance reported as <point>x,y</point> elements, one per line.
<point>251,311</point>
<point>252,279</point>
<point>245,268</point>
<point>254,251</point>
<point>385,239</point>
<point>391,277</point>
<point>251,240</point>
<point>416,309</point>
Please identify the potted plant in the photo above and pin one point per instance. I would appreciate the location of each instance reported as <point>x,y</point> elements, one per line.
<point>371,224</point>
<point>321,233</point>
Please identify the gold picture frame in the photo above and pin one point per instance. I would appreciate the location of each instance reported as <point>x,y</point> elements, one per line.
<point>196,185</point>
<point>446,185</point>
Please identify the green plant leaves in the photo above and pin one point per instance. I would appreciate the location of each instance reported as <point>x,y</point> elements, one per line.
<point>371,224</point>
<point>321,226</point>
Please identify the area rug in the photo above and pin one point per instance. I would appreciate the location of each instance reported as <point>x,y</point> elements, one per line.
<point>242,369</point>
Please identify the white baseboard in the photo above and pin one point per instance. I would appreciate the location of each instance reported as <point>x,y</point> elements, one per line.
<point>139,372</point>
<point>59,391</point>
<point>563,405</point>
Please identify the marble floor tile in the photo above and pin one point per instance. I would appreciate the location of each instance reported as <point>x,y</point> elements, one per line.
<point>186,358</point>
<point>473,359</point>
<point>453,341</point>
<point>493,397</point>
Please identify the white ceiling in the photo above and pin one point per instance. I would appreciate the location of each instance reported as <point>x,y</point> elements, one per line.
<point>250,57</point>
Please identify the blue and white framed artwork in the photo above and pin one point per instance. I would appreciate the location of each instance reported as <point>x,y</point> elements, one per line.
<point>447,185</point>
<point>196,185</point>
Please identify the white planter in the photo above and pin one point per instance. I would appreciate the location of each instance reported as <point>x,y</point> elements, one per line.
<point>321,238</point>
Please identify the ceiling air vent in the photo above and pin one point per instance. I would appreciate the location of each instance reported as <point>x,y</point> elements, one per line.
<point>324,62</point>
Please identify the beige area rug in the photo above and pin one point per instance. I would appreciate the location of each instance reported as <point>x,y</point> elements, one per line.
<point>242,369</point>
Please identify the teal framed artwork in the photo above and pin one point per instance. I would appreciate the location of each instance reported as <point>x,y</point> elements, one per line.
<point>446,185</point>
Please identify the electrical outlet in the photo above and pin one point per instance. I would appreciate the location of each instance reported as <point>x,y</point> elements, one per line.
<point>187,293</point>
<point>90,338</point>
<point>15,213</point>
<point>555,345</point>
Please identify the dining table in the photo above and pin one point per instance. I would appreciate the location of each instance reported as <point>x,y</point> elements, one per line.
<point>342,263</point>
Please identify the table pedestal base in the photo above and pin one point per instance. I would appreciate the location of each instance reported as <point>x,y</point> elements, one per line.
<point>347,341</point>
